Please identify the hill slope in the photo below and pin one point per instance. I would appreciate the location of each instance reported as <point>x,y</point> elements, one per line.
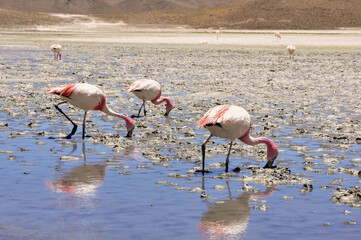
<point>104,6</point>
<point>243,14</point>
<point>260,14</point>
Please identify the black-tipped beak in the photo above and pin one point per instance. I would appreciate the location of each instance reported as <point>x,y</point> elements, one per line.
<point>167,112</point>
<point>130,133</point>
<point>270,163</point>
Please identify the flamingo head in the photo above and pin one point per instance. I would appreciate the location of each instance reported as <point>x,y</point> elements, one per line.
<point>130,124</point>
<point>272,154</point>
<point>130,132</point>
<point>168,107</point>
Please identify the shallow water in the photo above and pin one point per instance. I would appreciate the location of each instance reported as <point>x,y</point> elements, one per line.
<point>111,187</point>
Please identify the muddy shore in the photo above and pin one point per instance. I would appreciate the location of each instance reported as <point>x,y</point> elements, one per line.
<point>309,106</point>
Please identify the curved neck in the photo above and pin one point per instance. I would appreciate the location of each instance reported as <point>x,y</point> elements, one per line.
<point>128,121</point>
<point>272,150</point>
<point>169,104</point>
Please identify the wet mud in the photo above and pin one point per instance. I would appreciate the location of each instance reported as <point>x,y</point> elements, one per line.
<point>309,106</point>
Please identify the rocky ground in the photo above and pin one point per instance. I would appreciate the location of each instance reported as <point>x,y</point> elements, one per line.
<point>314,97</point>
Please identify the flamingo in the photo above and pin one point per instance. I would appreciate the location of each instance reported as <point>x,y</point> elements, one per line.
<point>217,33</point>
<point>231,122</point>
<point>277,35</point>
<point>291,50</point>
<point>87,97</point>
<point>56,48</point>
<point>149,90</point>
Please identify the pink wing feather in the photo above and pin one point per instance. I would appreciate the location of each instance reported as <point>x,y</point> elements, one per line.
<point>133,87</point>
<point>213,115</point>
<point>65,91</point>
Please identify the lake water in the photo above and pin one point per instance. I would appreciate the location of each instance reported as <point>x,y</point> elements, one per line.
<point>55,188</point>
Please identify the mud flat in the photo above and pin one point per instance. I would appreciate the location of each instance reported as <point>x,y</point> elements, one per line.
<point>309,106</point>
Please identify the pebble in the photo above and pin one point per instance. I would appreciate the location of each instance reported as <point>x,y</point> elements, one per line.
<point>262,207</point>
<point>40,143</point>
<point>176,175</point>
<point>346,212</point>
<point>162,182</point>
<point>307,187</point>
<point>220,187</point>
<point>183,188</point>
<point>288,198</point>
<point>69,158</point>
<point>204,195</point>
<point>196,189</point>
<point>6,152</point>
<point>351,223</point>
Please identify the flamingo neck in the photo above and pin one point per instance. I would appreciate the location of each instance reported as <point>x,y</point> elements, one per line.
<point>272,150</point>
<point>169,104</point>
<point>128,121</point>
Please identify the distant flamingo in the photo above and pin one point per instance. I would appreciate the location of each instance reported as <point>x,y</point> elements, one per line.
<point>277,35</point>
<point>291,50</point>
<point>231,122</point>
<point>87,97</point>
<point>217,33</point>
<point>149,90</point>
<point>56,48</point>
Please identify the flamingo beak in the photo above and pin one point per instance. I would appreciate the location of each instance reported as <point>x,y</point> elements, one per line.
<point>130,133</point>
<point>270,163</point>
<point>167,112</point>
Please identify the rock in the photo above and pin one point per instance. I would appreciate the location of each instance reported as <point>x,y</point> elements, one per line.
<point>351,196</point>
<point>307,187</point>
<point>176,175</point>
<point>220,187</point>
<point>69,158</point>
<point>351,223</point>
<point>262,207</point>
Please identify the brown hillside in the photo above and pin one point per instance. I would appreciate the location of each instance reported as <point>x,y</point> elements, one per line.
<point>10,19</point>
<point>244,14</point>
<point>104,6</point>
<point>259,14</point>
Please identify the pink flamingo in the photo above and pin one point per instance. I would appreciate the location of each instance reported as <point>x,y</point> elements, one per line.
<point>291,50</point>
<point>277,35</point>
<point>231,122</point>
<point>87,97</point>
<point>149,90</point>
<point>56,48</point>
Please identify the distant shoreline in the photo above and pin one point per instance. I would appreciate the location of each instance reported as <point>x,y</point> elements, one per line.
<point>176,36</point>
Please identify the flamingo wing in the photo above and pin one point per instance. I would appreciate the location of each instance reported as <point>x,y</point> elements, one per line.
<point>135,85</point>
<point>213,115</point>
<point>65,90</point>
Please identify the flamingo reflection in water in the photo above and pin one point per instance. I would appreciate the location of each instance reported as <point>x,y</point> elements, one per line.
<point>229,219</point>
<point>81,180</point>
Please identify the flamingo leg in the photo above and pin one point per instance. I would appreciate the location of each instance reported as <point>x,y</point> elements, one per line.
<point>74,125</point>
<point>229,153</point>
<point>140,109</point>
<point>204,152</point>
<point>84,124</point>
<point>145,112</point>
